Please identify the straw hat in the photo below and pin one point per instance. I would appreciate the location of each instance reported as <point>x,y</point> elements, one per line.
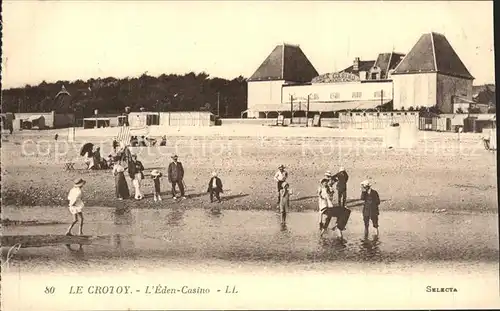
<point>285,184</point>
<point>214,174</point>
<point>366,184</point>
<point>281,166</point>
<point>79,182</point>
<point>341,169</point>
<point>328,174</point>
<point>175,156</point>
<point>155,173</point>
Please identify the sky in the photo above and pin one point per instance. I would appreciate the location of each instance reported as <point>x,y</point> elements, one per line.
<point>70,40</point>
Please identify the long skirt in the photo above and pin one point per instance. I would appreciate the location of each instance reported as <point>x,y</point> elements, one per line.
<point>121,186</point>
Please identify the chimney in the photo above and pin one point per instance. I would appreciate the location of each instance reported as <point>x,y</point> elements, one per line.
<point>355,65</point>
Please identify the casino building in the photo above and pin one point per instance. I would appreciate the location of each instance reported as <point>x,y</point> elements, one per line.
<point>431,74</point>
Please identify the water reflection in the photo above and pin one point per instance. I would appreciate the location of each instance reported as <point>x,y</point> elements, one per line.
<point>122,216</point>
<point>370,249</point>
<point>175,217</point>
<point>215,212</point>
<point>76,252</point>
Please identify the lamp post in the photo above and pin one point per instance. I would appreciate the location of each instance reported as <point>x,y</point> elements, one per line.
<point>307,111</point>
<point>291,109</point>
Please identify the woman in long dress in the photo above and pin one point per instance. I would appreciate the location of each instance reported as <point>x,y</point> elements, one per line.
<point>121,187</point>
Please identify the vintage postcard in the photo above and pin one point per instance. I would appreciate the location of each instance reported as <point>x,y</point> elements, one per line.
<point>167,155</point>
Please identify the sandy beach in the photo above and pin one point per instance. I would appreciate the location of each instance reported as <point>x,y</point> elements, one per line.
<point>442,172</point>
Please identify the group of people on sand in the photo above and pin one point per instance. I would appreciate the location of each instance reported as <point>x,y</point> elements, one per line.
<point>326,208</point>
<point>94,160</point>
<point>124,161</point>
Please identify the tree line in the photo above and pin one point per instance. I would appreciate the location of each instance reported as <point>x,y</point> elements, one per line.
<point>188,92</point>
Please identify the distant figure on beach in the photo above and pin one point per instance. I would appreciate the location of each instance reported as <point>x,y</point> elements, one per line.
<point>215,187</point>
<point>115,145</point>
<point>137,176</point>
<point>156,175</point>
<point>163,140</point>
<point>176,176</point>
<point>56,136</point>
<point>121,187</point>
<point>142,141</point>
<point>76,205</point>
<point>109,161</point>
<point>86,151</point>
<point>371,206</point>
<point>284,201</point>
<point>96,155</point>
<point>150,141</point>
<point>280,177</point>
<point>341,179</point>
<point>133,141</point>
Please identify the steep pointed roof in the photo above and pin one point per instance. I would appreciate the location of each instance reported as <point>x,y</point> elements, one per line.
<point>433,53</point>
<point>364,65</point>
<point>286,62</point>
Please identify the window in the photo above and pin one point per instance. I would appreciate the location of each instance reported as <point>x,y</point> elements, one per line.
<point>378,94</point>
<point>334,95</point>
<point>374,76</point>
<point>152,119</point>
<point>356,94</point>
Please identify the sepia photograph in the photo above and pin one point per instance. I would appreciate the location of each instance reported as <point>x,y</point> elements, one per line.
<point>210,155</point>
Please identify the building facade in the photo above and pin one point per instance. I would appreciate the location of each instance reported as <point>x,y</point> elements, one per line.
<point>431,74</point>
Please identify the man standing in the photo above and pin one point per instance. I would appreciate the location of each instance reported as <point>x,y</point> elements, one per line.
<point>215,187</point>
<point>341,179</point>
<point>176,176</point>
<point>280,177</point>
<point>371,205</point>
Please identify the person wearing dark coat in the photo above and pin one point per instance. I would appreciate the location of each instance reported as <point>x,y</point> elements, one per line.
<point>176,176</point>
<point>341,179</point>
<point>121,187</point>
<point>115,145</point>
<point>215,187</point>
<point>371,206</point>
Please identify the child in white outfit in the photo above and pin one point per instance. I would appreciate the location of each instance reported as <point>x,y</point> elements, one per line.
<point>76,205</point>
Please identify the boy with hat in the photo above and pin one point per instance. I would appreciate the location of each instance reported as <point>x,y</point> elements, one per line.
<point>176,176</point>
<point>215,187</point>
<point>280,177</point>
<point>371,205</point>
<point>155,174</point>
<point>76,205</point>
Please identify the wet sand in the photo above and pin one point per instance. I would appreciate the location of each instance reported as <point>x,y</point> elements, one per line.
<point>198,234</point>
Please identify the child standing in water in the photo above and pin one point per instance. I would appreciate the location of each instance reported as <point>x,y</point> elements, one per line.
<point>155,174</point>
<point>76,205</point>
